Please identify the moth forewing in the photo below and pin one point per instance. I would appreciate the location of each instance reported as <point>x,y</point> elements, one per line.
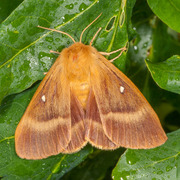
<point>44,129</point>
<point>127,118</point>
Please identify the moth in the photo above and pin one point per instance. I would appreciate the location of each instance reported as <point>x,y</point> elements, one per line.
<point>84,99</point>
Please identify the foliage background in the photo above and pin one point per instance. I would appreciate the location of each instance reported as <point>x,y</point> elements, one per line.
<point>152,62</point>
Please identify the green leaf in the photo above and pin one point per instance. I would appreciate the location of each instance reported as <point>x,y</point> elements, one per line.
<point>7,7</point>
<point>99,165</point>
<point>24,48</point>
<point>166,74</point>
<point>165,42</point>
<point>11,166</point>
<point>138,48</point>
<point>158,163</point>
<point>167,11</point>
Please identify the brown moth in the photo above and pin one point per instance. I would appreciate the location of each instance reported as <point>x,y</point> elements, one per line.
<point>85,98</point>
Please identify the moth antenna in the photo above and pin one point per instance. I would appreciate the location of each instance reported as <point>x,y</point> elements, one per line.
<point>58,32</point>
<point>95,36</point>
<point>87,27</point>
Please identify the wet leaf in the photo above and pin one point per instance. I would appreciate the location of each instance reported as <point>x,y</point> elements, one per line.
<point>165,42</point>
<point>98,165</point>
<point>167,11</point>
<point>7,7</point>
<point>158,163</point>
<point>167,73</point>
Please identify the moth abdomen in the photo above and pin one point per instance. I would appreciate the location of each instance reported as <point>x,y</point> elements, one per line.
<point>81,90</point>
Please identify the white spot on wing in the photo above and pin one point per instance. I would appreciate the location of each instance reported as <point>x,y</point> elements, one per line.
<point>43,98</point>
<point>121,89</point>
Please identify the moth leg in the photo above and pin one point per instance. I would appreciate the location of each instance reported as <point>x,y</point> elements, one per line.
<point>51,51</point>
<point>118,55</point>
<point>109,53</point>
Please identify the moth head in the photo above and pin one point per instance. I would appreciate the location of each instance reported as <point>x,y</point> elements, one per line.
<point>76,53</point>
